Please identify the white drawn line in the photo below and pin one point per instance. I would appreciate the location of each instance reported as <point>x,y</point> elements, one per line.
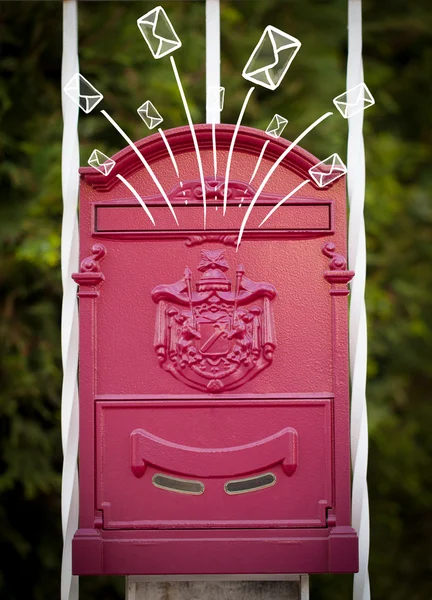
<point>259,160</point>
<point>273,169</point>
<point>231,150</point>
<point>170,152</point>
<point>137,196</point>
<point>243,197</point>
<point>303,183</point>
<point>214,148</point>
<point>144,162</point>
<point>195,141</point>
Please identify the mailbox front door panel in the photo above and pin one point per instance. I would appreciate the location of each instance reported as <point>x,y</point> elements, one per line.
<point>214,431</point>
<point>236,464</point>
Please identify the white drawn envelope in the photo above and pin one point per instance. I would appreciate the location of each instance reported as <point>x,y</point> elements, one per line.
<point>102,163</point>
<point>354,100</point>
<point>158,32</point>
<point>149,114</point>
<point>276,126</point>
<point>328,170</point>
<point>271,58</point>
<point>82,93</point>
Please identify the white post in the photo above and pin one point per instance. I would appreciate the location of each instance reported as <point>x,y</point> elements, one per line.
<point>356,178</point>
<point>218,587</point>
<point>69,319</point>
<point>212,59</point>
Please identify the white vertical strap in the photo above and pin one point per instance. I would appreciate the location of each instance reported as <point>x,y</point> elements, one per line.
<point>212,59</point>
<point>69,320</point>
<point>358,332</point>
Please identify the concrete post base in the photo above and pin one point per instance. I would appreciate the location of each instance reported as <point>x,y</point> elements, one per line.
<point>292,587</point>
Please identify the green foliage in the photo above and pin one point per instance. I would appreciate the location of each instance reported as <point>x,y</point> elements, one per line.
<point>113,56</point>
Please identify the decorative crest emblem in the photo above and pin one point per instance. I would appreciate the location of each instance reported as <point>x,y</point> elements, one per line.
<point>221,335</point>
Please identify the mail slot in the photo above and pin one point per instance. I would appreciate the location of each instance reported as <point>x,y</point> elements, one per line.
<point>214,431</point>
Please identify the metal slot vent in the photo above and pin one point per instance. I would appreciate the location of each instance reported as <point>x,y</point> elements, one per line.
<point>252,484</point>
<point>181,486</point>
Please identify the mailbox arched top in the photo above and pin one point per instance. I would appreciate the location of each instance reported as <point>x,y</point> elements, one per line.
<point>249,141</point>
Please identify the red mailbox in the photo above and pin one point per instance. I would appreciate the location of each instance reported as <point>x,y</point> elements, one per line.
<point>214,431</point>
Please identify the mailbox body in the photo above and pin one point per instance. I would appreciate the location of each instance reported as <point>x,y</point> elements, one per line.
<point>214,430</point>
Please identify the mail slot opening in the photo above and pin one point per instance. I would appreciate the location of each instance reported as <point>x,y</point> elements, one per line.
<point>251,484</point>
<point>181,486</point>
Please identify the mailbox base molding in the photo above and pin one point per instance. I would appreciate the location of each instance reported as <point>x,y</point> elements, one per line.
<point>327,550</point>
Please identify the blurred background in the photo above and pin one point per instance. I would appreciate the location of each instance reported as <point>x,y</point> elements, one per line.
<point>398,135</point>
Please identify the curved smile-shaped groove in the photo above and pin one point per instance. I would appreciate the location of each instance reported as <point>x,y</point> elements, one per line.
<point>280,448</point>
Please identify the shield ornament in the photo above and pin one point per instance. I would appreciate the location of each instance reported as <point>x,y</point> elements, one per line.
<point>220,335</point>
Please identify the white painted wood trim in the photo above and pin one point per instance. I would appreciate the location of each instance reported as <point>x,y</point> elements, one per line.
<point>356,179</point>
<point>212,57</point>
<point>69,319</point>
